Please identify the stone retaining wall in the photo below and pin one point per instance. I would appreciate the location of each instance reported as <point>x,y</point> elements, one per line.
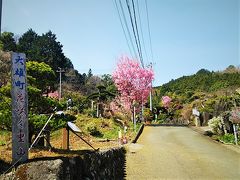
<point>109,164</point>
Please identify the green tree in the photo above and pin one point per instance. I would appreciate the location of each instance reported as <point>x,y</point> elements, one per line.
<point>50,51</point>
<point>5,108</point>
<point>108,83</point>
<point>28,44</point>
<point>40,75</point>
<point>5,67</point>
<point>102,97</point>
<point>73,80</point>
<point>44,48</point>
<point>89,75</point>
<point>8,42</point>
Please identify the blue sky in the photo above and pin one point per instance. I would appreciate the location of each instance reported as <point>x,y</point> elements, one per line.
<point>186,35</point>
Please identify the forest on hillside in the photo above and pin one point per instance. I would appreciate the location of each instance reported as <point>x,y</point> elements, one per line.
<point>203,81</point>
<point>215,96</point>
<point>48,51</point>
<point>45,57</point>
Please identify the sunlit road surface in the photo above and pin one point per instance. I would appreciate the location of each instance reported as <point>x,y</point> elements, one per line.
<point>180,153</point>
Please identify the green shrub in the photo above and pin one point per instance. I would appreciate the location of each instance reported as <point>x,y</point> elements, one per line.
<point>162,116</point>
<point>90,112</point>
<point>2,143</point>
<point>215,124</point>
<point>93,130</point>
<point>227,138</point>
<point>36,122</point>
<point>147,114</point>
<point>73,110</point>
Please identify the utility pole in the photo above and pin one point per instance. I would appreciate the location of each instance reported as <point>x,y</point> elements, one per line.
<point>60,83</point>
<point>0,17</point>
<point>150,98</point>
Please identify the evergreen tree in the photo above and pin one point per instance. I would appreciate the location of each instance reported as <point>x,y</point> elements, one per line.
<point>7,42</point>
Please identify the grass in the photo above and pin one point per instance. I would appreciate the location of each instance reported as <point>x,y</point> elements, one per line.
<point>108,128</point>
<point>5,136</point>
<point>228,139</point>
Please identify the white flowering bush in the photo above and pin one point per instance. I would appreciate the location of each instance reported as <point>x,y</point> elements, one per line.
<point>215,124</point>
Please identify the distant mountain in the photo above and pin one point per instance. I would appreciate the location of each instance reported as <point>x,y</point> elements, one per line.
<point>203,81</point>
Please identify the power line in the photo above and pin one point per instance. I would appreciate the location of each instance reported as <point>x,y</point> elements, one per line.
<point>140,22</point>
<point>125,35</point>
<point>136,41</point>
<point>126,25</point>
<point>149,34</point>
<point>0,17</point>
<point>136,26</point>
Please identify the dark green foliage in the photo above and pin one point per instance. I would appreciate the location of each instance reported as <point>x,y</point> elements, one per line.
<point>227,138</point>
<point>89,73</point>
<point>50,51</point>
<point>5,108</point>
<point>36,122</point>
<point>78,101</point>
<point>40,75</point>
<point>108,83</point>
<point>28,44</point>
<point>5,66</point>
<point>7,41</point>
<point>147,114</point>
<point>44,48</point>
<point>202,81</point>
<point>102,94</point>
<point>93,130</point>
<point>5,112</point>
<point>203,71</point>
<point>73,80</point>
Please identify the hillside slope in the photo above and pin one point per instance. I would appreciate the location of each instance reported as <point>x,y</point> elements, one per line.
<point>203,81</point>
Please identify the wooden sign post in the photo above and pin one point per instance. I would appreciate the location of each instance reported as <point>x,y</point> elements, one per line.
<point>19,108</point>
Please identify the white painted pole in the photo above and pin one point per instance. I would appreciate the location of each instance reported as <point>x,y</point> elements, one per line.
<point>151,99</point>
<point>60,88</point>
<point>134,118</point>
<point>151,93</point>
<point>60,83</point>
<point>235,133</point>
<point>97,109</point>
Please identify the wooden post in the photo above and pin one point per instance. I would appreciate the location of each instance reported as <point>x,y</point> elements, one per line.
<point>65,142</point>
<point>47,138</point>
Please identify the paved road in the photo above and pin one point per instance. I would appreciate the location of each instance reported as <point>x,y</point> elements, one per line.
<point>180,153</point>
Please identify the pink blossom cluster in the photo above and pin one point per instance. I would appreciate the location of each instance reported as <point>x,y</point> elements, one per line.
<point>53,95</point>
<point>235,115</point>
<point>166,100</point>
<point>119,105</point>
<point>132,81</point>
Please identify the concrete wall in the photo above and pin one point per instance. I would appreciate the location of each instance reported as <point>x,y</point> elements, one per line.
<point>109,164</point>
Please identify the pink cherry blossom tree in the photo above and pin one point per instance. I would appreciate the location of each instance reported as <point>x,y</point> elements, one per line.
<point>132,81</point>
<point>166,100</point>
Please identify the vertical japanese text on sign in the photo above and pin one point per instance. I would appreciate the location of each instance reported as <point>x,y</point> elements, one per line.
<point>19,108</point>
